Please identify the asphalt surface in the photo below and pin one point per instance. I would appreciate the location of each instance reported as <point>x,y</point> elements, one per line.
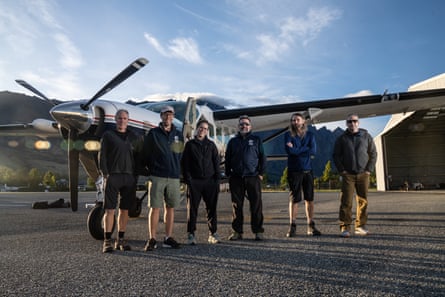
<point>50,252</point>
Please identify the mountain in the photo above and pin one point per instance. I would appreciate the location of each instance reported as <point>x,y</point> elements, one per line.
<point>19,152</point>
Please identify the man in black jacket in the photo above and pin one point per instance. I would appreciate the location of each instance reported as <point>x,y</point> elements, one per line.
<point>117,165</point>
<point>200,167</point>
<point>355,156</point>
<point>245,163</point>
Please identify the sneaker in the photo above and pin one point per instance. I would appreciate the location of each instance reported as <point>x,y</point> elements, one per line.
<point>213,238</point>
<point>259,236</point>
<point>171,243</point>
<point>122,244</point>
<point>345,233</point>
<point>292,231</point>
<point>191,240</point>
<point>235,236</point>
<point>311,230</point>
<point>150,245</point>
<point>361,231</point>
<point>108,246</point>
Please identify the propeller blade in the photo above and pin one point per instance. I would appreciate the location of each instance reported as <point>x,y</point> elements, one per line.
<point>126,73</point>
<point>32,89</point>
<point>73,168</point>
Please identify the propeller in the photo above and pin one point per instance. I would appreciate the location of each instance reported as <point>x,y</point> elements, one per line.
<point>123,75</point>
<point>73,168</point>
<point>78,154</point>
<point>34,90</point>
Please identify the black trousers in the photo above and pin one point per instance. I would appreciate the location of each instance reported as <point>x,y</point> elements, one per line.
<point>239,187</point>
<point>208,190</point>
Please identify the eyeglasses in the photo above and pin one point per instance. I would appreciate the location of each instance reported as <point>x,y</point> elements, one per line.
<point>351,121</point>
<point>244,124</point>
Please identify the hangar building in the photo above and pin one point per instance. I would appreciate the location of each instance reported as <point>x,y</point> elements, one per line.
<point>411,148</point>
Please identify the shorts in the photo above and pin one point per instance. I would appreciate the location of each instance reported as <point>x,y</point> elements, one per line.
<point>300,182</point>
<point>123,184</point>
<point>163,190</point>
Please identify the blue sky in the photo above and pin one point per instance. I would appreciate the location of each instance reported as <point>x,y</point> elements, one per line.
<point>252,52</point>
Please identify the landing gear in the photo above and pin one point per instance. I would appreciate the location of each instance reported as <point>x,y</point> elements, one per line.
<point>95,221</point>
<point>96,214</point>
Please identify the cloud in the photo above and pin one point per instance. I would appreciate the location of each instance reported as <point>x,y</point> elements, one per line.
<point>70,55</point>
<point>292,30</point>
<point>179,48</point>
<point>359,93</point>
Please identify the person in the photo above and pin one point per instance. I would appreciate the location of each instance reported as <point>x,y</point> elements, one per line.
<point>200,166</point>
<point>300,147</point>
<point>245,163</point>
<point>355,157</point>
<point>162,151</point>
<point>117,165</point>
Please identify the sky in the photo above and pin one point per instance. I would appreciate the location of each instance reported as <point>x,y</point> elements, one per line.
<point>253,52</point>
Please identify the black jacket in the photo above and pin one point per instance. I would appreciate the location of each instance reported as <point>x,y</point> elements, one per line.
<point>118,152</point>
<point>200,160</point>
<point>162,152</point>
<point>245,156</point>
<point>355,153</point>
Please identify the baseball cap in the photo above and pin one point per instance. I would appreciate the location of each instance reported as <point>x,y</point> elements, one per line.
<point>167,108</point>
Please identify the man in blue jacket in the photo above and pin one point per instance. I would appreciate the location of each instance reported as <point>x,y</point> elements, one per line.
<point>245,163</point>
<point>300,147</point>
<point>355,156</point>
<point>162,151</point>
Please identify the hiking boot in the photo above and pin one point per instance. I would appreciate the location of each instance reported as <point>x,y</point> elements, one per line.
<point>259,236</point>
<point>107,246</point>
<point>171,243</point>
<point>345,232</point>
<point>150,245</point>
<point>191,239</point>
<point>292,230</point>
<point>235,236</point>
<point>122,244</point>
<point>362,231</point>
<point>213,238</point>
<point>311,230</point>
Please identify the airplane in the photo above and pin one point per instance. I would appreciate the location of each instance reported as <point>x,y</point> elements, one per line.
<point>6,188</point>
<point>82,123</point>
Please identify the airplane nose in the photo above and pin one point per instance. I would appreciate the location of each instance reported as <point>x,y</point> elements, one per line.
<point>71,116</point>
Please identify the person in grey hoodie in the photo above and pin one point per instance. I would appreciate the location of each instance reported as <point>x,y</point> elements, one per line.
<point>355,156</point>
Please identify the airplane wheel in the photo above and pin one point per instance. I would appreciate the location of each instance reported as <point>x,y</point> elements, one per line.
<point>136,210</point>
<point>95,222</point>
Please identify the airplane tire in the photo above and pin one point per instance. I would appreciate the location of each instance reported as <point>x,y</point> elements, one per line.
<point>95,222</point>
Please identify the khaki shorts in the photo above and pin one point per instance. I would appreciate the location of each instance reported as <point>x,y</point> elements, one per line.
<point>163,189</point>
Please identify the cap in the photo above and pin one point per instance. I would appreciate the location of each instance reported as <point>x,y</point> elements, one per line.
<point>167,108</point>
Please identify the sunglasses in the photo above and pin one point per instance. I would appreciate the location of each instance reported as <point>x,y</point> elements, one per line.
<point>244,124</point>
<point>351,121</point>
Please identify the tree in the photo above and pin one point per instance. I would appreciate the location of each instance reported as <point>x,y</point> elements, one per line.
<point>35,177</point>
<point>283,180</point>
<point>327,173</point>
<point>49,179</point>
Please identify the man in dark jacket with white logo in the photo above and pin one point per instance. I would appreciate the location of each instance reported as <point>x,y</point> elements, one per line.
<point>355,156</point>
<point>200,167</point>
<point>162,153</point>
<point>245,164</point>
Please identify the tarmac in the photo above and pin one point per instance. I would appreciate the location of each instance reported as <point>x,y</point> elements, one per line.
<point>49,252</point>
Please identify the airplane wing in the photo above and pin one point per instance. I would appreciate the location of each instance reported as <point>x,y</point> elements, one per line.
<point>42,128</point>
<point>277,116</point>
